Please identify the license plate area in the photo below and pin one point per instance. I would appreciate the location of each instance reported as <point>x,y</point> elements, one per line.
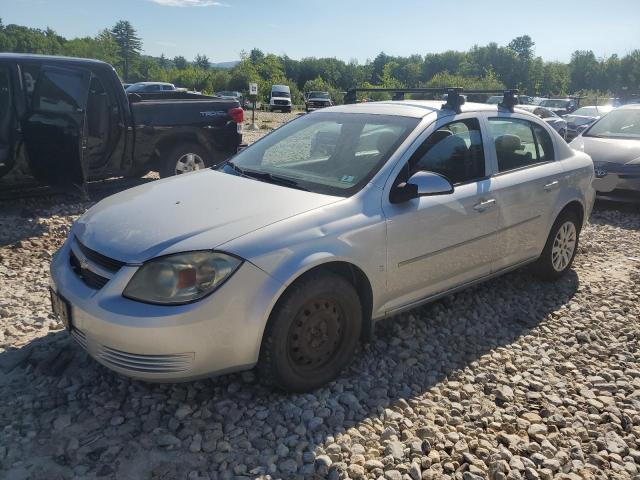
<point>61,309</point>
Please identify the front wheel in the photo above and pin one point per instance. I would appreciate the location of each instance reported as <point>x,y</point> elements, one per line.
<point>560,249</point>
<point>312,333</point>
<point>184,158</point>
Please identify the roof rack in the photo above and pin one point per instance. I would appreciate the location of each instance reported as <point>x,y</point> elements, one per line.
<point>455,98</point>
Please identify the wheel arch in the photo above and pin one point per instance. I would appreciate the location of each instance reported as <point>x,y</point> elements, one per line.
<point>575,206</point>
<point>350,272</point>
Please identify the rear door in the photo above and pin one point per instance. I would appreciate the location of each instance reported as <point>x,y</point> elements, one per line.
<point>53,129</point>
<point>528,182</point>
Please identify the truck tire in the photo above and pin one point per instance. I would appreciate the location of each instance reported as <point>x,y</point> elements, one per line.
<point>184,158</point>
<point>312,333</point>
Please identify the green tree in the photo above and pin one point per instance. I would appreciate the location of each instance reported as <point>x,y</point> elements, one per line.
<point>130,45</point>
<point>180,62</point>
<point>202,61</point>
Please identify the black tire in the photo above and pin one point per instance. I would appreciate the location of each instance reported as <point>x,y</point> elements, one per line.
<point>311,334</point>
<point>169,160</point>
<point>287,110</point>
<point>544,267</point>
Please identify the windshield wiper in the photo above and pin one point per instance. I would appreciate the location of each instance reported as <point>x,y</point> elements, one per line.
<point>266,177</point>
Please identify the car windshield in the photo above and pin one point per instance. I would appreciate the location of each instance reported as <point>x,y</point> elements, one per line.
<point>330,153</point>
<point>136,87</point>
<point>277,93</point>
<point>494,100</point>
<point>228,94</point>
<point>617,124</point>
<point>554,103</point>
<point>324,95</point>
<point>589,111</point>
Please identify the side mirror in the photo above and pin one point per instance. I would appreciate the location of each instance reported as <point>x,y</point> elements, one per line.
<point>421,184</point>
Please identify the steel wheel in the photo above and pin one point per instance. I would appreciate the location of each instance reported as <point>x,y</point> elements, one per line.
<point>189,162</point>
<point>564,244</point>
<point>316,334</point>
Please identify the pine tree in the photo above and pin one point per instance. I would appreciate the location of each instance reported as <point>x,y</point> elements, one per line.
<point>129,44</point>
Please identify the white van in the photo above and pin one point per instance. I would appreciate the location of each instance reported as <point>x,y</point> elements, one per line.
<point>280,98</point>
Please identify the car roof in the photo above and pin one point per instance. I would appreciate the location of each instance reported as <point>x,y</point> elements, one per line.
<point>408,108</point>
<point>152,83</point>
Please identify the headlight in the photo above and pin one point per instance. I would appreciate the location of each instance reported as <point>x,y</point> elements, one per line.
<point>181,278</point>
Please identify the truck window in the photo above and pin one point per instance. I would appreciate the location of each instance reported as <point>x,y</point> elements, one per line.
<point>59,91</point>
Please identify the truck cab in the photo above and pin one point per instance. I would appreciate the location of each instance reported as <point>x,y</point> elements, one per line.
<point>280,98</point>
<point>69,121</point>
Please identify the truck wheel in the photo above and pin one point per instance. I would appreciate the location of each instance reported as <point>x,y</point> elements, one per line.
<point>311,334</point>
<point>186,157</point>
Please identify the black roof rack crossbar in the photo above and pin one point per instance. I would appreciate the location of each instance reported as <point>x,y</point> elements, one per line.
<point>455,98</point>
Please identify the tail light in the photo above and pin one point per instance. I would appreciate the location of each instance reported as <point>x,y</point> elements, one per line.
<point>236,114</point>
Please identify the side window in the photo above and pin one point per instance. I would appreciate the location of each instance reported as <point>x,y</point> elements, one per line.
<point>545,144</point>
<point>60,91</point>
<point>453,151</point>
<point>516,143</point>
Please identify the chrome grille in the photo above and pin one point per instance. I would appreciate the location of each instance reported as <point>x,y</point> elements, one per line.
<point>133,362</point>
<point>90,278</point>
<point>103,261</point>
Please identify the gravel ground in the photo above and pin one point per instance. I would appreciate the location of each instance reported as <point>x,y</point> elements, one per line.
<point>513,379</point>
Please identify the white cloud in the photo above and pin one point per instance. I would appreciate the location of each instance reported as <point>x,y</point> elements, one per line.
<point>190,3</point>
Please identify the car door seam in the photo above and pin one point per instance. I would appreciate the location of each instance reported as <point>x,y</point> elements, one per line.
<point>466,242</point>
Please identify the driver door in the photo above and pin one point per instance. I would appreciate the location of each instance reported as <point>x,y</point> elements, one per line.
<point>53,129</point>
<point>436,243</point>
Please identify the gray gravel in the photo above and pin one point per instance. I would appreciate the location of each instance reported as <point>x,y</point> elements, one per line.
<point>513,379</point>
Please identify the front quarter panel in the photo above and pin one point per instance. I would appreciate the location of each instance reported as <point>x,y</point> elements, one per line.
<point>352,230</point>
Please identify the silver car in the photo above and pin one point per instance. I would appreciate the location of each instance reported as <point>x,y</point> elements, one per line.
<point>613,142</point>
<point>579,120</point>
<point>285,257</point>
<point>556,122</point>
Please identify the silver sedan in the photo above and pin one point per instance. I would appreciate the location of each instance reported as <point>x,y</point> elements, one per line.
<point>613,142</point>
<point>286,256</point>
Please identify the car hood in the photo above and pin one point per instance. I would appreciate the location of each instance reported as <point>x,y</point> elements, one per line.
<point>189,212</point>
<point>613,150</point>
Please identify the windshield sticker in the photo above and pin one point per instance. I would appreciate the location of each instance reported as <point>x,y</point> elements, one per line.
<point>347,178</point>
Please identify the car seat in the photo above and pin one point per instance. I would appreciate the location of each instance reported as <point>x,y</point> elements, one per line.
<point>509,151</point>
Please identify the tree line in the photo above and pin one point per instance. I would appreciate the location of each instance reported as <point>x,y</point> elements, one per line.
<point>490,66</point>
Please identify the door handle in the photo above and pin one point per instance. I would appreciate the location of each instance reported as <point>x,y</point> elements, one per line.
<point>484,204</point>
<point>552,185</point>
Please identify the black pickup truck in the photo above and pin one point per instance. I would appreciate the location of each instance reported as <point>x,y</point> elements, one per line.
<point>70,121</point>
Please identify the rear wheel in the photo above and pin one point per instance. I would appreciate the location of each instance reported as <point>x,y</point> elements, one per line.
<point>311,334</point>
<point>560,249</point>
<point>184,158</point>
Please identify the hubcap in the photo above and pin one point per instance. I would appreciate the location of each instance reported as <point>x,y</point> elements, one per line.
<point>189,162</point>
<point>563,246</point>
<point>316,333</point>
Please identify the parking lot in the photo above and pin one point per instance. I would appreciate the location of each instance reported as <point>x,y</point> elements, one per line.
<point>514,379</point>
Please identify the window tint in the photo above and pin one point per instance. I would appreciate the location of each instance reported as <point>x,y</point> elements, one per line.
<point>454,151</point>
<point>516,145</point>
<point>60,91</point>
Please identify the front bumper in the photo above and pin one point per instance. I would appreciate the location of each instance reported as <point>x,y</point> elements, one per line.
<point>218,334</point>
<point>617,182</point>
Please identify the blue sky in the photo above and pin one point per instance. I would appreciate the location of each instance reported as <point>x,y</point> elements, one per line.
<point>344,29</point>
